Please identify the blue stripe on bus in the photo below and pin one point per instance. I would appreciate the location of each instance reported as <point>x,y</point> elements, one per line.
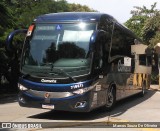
<point>52,87</point>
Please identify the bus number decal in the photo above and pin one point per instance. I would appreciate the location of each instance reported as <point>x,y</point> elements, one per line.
<point>77,86</point>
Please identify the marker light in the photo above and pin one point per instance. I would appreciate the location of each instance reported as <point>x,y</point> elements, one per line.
<point>83,90</point>
<point>30,30</point>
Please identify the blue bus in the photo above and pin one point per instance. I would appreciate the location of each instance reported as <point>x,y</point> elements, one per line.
<point>79,61</point>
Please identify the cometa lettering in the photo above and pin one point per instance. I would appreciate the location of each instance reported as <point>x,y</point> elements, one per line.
<point>49,81</point>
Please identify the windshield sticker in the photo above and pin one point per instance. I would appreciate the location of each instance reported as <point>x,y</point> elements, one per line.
<point>122,67</point>
<point>72,36</point>
<point>127,61</point>
<point>45,28</point>
<point>44,37</point>
<point>30,30</point>
<point>58,27</point>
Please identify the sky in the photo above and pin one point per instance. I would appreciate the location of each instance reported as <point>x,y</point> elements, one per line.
<point>119,9</point>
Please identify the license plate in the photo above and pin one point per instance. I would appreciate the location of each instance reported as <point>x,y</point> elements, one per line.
<point>47,106</point>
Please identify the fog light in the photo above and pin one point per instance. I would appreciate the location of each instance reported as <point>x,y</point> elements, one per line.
<point>21,99</point>
<point>81,104</point>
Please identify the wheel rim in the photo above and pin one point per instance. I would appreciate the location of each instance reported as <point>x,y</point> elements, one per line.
<point>143,90</point>
<point>110,98</point>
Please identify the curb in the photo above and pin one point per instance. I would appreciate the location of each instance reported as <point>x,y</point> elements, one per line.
<point>154,87</point>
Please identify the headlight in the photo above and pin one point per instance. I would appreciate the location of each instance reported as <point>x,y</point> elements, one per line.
<point>83,90</point>
<point>79,91</point>
<point>22,88</point>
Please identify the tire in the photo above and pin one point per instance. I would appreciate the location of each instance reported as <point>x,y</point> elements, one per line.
<point>111,98</point>
<point>143,89</point>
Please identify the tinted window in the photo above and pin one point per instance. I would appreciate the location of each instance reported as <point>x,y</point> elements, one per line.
<point>121,42</point>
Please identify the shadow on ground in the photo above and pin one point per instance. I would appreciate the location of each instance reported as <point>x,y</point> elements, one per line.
<point>7,94</point>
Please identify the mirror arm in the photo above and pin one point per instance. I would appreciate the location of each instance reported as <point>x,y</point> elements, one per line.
<point>10,37</point>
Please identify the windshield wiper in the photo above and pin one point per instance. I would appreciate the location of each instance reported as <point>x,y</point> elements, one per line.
<point>26,75</point>
<point>64,73</point>
<point>47,64</point>
<point>33,73</point>
<point>57,69</point>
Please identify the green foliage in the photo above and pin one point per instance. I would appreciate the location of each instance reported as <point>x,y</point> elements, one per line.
<point>135,24</point>
<point>79,8</point>
<point>151,30</point>
<point>145,24</point>
<point>6,21</point>
<point>154,79</point>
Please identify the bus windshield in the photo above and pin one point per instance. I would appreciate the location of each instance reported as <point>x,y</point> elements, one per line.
<point>57,49</point>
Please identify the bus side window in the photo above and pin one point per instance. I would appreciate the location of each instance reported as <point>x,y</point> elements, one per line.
<point>121,42</point>
<point>106,24</point>
<point>102,55</point>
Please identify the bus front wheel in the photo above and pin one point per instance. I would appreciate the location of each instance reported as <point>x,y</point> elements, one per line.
<point>111,98</point>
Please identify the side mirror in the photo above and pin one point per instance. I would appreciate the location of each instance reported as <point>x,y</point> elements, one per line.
<point>9,41</point>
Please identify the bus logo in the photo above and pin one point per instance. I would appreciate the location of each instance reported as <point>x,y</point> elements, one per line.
<point>46,95</point>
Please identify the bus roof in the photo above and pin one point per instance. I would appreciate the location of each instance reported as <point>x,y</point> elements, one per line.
<point>70,17</point>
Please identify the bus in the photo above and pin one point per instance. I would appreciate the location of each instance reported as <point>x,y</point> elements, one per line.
<point>78,61</point>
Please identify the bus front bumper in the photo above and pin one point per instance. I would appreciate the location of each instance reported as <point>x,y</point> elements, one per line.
<point>75,103</point>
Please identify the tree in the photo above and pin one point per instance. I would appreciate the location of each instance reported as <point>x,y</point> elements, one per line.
<point>79,8</point>
<point>6,21</point>
<point>24,11</point>
<point>151,30</point>
<point>140,17</point>
<point>3,14</point>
